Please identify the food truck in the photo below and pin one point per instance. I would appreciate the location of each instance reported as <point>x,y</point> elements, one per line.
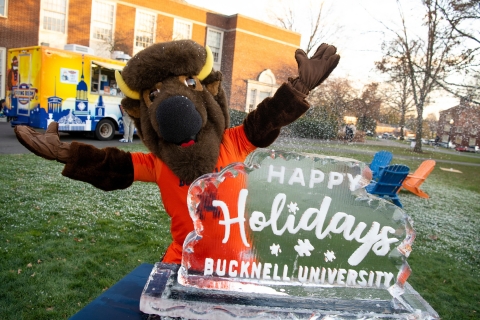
<point>75,89</point>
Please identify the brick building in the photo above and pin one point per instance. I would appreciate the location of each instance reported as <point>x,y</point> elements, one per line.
<point>254,57</point>
<point>460,125</point>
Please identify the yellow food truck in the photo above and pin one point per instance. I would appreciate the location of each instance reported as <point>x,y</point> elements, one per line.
<point>76,90</point>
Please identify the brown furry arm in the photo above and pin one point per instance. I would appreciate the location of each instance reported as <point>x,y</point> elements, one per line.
<point>107,169</point>
<point>262,125</point>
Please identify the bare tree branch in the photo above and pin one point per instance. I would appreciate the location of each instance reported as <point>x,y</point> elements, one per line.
<point>457,11</point>
<point>427,58</point>
<point>290,16</point>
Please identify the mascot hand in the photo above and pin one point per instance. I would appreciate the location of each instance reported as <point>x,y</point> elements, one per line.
<point>46,145</point>
<point>312,72</point>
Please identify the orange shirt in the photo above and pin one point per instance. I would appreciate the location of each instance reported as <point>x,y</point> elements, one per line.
<point>235,147</point>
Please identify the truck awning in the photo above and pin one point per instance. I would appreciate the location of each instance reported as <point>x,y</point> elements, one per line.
<point>107,65</point>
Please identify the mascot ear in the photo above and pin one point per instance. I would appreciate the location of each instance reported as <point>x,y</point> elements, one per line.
<point>132,107</point>
<point>213,83</point>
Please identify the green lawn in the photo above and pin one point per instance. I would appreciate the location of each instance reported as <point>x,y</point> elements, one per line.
<point>63,242</point>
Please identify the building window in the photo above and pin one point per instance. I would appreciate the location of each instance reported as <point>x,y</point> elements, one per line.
<point>53,15</point>
<point>3,8</point>
<point>447,128</point>
<point>144,30</point>
<point>253,99</point>
<point>265,86</point>
<point>473,132</point>
<point>103,20</point>
<point>263,95</point>
<point>472,141</point>
<point>458,129</point>
<point>182,30</point>
<point>214,41</point>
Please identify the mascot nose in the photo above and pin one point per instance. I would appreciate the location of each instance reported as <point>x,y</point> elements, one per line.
<point>178,119</point>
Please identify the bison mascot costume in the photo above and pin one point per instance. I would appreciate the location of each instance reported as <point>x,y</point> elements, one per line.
<point>181,114</point>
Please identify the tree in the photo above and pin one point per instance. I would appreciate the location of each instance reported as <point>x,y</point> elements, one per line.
<point>428,59</point>
<point>460,14</point>
<point>290,15</point>
<point>463,18</point>
<point>332,98</point>
<point>388,115</point>
<point>367,107</point>
<point>399,94</point>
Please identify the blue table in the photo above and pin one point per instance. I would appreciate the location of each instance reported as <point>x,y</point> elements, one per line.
<point>121,301</point>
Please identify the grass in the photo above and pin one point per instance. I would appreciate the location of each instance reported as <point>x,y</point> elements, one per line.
<point>400,149</point>
<point>63,242</point>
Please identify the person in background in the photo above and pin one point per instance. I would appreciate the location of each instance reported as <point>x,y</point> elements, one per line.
<point>349,133</point>
<point>2,106</point>
<point>128,127</point>
<point>3,109</point>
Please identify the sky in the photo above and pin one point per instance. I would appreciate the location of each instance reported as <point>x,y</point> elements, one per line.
<point>358,30</point>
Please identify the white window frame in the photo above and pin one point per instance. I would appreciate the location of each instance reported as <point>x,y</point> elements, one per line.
<point>43,14</point>
<point>176,25</point>
<point>5,9</point>
<point>3,72</point>
<point>261,86</point>
<point>138,23</point>
<point>216,64</point>
<point>95,10</point>
<point>252,97</point>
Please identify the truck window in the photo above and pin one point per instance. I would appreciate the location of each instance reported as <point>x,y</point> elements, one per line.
<point>103,79</point>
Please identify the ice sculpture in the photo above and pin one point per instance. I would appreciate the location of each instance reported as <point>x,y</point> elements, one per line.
<point>289,236</point>
<point>286,220</point>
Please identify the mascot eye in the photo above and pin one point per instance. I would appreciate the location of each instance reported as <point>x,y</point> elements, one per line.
<point>153,94</point>
<point>191,83</point>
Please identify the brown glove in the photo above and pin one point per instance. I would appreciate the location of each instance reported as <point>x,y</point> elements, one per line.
<point>312,72</point>
<point>46,145</point>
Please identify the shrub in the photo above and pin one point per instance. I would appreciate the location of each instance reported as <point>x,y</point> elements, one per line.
<point>309,128</point>
<point>305,127</point>
<point>236,117</point>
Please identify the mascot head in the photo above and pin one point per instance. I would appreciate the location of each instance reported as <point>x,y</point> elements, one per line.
<point>178,105</point>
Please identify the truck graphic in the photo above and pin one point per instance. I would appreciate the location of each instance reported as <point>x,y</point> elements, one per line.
<point>76,90</point>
